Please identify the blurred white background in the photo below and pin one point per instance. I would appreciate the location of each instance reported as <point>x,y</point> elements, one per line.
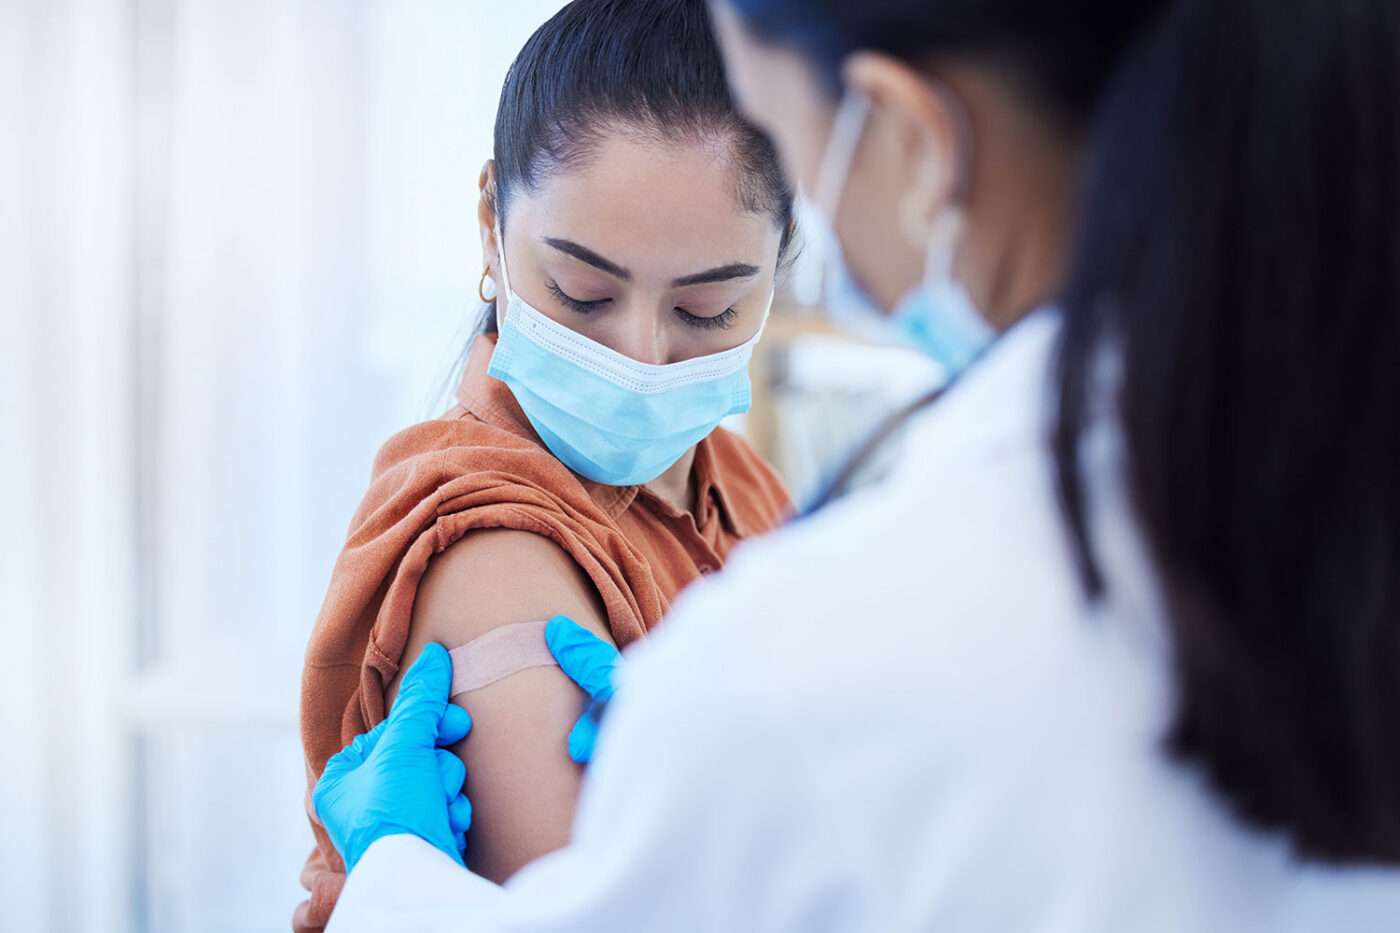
<point>237,242</point>
<point>237,251</point>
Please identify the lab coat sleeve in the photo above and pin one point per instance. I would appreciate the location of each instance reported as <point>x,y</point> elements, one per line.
<point>403,883</point>
<point>698,814</point>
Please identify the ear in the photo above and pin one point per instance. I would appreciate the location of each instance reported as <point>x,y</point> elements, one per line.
<point>925,133</point>
<point>486,217</point>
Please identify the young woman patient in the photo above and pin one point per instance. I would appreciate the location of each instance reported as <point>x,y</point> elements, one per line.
<point>632,225</point>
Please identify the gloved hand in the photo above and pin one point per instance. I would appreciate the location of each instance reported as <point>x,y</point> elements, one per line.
<point>395,778</point>
<point>592,664</point>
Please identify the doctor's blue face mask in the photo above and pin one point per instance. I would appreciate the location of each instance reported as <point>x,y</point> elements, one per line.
<point>938,316</point>
<point>605,415</point>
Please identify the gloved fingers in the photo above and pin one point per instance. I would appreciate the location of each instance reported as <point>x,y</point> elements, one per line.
<point>454,726</point>
<point>459,814</point>
<point>342,763</point>
<point>353,755</point>
<point>453,772</point>
<point>461,840</point>
<point>583,735</point>
<point>589,661</point>
<point>418,709</point>
<point>361,745</point>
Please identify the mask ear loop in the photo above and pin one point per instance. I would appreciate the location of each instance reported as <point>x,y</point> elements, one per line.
<point>942,247</point>
<point>503,294</point>
<point>945,228</point>
<point>846,131</point>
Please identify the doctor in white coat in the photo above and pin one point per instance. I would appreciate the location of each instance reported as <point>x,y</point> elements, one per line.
<point>1117,644</point>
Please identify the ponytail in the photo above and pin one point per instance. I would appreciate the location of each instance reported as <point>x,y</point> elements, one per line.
<point>1238,248</point>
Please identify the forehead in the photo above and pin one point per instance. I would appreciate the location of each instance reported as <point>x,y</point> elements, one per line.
<point>661,206</point>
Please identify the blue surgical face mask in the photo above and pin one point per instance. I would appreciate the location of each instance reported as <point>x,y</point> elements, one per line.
<point>938,316</point>
<point>607,416</point>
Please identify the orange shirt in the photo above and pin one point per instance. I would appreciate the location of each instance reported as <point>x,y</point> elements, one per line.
<point>481,465</point>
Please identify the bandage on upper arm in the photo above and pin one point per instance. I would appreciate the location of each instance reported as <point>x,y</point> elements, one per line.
<point>499,653</point>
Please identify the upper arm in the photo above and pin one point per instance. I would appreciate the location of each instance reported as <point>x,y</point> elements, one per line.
<point>520,780</point>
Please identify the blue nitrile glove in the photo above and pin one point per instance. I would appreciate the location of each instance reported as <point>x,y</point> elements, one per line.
<point>592,664</point>
<point>394,778</point>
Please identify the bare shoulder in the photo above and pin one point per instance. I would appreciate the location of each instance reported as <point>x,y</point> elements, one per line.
<point>497,577</point>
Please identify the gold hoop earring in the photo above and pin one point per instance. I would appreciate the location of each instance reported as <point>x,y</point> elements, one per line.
<point>481,287</point>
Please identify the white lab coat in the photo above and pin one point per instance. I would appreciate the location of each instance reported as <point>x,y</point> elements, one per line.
<point>900,714</point>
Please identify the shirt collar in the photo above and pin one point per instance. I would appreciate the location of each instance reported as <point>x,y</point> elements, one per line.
<point>710,492</point>
<point>712,501</point>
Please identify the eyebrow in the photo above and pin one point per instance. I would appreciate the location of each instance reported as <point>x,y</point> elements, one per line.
<point>735,270</point>
<point>584,254</point>
<point>726,273</point>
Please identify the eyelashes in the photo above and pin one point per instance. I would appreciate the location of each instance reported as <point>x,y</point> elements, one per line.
<point>721,321</point>
<point>573,304</point>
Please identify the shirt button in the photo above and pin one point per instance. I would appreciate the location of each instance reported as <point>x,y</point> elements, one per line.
<point>707,569</point>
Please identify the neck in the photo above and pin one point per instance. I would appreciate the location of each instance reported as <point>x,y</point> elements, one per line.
<point>1026,268</point>
<point>1020,211</point>
<point>674,486</point>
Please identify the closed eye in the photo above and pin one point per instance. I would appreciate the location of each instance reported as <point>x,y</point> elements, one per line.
<point>574,304</point>
<point>724,319</point>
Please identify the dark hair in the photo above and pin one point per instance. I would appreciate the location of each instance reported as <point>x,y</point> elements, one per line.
<point>1238,248</point>
<point>648,65</point>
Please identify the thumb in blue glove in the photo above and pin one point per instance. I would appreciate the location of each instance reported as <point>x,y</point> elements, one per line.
<point>594,665</point>
<point>396,778</point>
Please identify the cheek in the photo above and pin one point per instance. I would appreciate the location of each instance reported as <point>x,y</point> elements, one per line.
<point>751,311</point>
<point>778,93</point>
<point>886,261</point>
<point>800,146</point>
<point>798,132</point>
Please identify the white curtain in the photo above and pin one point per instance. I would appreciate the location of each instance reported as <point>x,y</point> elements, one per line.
<point>237,246</point>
